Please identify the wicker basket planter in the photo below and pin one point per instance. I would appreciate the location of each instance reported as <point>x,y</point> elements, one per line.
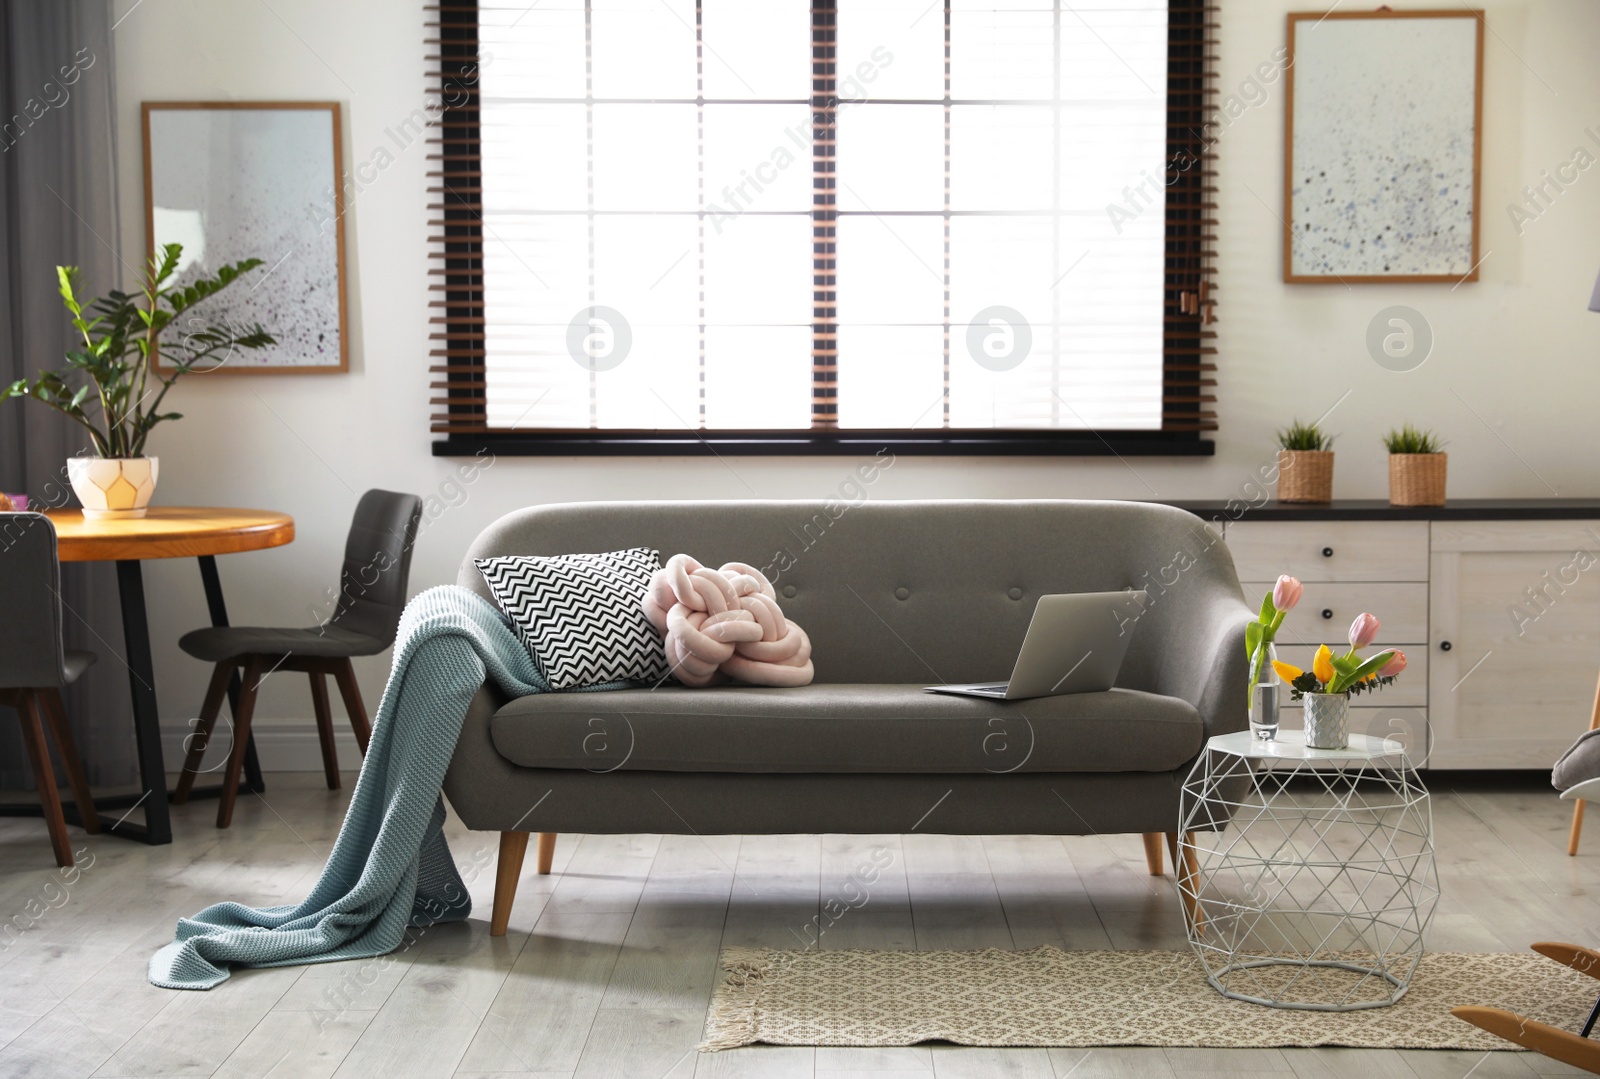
<point>1416,479</point>
<point>1305,475</point>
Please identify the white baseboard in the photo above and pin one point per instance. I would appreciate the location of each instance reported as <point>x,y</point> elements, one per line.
<point>284,745</point>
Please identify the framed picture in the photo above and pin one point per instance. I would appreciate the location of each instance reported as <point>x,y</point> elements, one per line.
<point>1383,142</point>
<point>231,180</point>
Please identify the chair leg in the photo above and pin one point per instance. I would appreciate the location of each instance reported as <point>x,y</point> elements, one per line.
<point>1577,807</point>
<point>67,746</point>
<point>513,845</point>
<point>345,675</point>
<point>241,738</point>
<point>210,708</point>
<point>1152,853</point>
<point>547,852</point>
<point>1553,1042</point>
<point>330,753</point>
<point>44,776</point>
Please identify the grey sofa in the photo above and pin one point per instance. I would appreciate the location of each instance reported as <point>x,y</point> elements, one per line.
<point>895,596</point>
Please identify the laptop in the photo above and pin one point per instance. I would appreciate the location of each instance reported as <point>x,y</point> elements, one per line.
<point>1075,644</point>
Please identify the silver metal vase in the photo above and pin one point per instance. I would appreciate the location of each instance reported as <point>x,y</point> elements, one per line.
<point>1327,720</point>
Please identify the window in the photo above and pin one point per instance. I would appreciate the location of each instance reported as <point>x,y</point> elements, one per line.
<point>784,226</point>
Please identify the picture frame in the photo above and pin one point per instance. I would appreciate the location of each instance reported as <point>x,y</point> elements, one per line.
<point>255,179</point>
<point>1383,128</point>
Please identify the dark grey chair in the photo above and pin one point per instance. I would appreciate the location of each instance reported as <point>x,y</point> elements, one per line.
<point>372,593</point>
<point>34,666</point>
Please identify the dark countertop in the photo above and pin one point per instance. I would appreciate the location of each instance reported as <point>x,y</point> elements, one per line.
<point>1378,509</point>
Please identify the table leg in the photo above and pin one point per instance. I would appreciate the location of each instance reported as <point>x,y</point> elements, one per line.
<point>253,782</point>
<point>146,718</point>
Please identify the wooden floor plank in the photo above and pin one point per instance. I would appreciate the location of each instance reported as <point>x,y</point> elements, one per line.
<point>611,958</point>
<point>541,1018</point>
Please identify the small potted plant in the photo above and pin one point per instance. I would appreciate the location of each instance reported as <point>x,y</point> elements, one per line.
<point>1416,467</point>
<point>120,334</point>
<point>1333,679</point>
<point>1305,464</point>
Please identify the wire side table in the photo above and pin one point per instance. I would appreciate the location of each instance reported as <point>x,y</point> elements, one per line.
<point>1312,870</point>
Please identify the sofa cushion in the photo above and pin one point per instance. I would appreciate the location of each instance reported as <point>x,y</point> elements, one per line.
<point>582,615</point>
<point>845,728</point>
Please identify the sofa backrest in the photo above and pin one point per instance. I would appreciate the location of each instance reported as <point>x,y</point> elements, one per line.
<point>912,591</point>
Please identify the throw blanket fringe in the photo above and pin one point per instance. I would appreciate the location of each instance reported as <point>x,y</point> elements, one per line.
<point>390,867</point>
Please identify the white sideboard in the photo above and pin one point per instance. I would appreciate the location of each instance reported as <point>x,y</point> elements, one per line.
<point>1496,605</point>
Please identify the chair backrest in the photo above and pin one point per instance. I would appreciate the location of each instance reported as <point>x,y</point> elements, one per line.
<point>377,564</point>
<point>30,602</point>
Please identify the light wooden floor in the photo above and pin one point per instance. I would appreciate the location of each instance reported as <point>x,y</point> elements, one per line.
<point>610,960</point>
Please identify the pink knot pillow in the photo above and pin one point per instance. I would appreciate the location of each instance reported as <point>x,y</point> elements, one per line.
<point>725,623</point>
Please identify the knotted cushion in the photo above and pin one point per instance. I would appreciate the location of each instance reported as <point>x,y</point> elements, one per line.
<point>725,623</point>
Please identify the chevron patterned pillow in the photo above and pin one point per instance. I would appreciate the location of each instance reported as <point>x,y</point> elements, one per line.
<point>581,615</point>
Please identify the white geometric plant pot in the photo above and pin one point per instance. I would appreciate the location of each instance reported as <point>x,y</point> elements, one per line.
<point>113,486</point>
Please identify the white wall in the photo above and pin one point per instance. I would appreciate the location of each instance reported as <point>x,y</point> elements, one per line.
<point>1511,382</point>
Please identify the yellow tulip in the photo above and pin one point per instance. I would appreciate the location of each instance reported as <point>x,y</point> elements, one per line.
<point>1322,665</point>
<point>1286,671</point>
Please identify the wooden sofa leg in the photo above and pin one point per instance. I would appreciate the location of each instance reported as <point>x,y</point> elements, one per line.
<point>1152,853</point>
<point>513,845</point>
<point>547,852</point>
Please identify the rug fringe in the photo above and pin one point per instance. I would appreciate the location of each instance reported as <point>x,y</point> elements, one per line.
<point>731,1019</point>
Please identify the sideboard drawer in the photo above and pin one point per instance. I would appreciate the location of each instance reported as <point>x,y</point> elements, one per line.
<point>1327,609</point>
<point>1330,550</point>
<point>1409,691</point>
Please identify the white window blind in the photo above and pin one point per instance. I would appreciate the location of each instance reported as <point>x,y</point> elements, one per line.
<point>650,208</point>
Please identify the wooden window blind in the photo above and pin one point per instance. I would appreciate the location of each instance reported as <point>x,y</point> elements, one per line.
<point>876,347</point>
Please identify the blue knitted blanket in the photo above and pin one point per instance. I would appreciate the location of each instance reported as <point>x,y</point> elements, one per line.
<point>390,867</point>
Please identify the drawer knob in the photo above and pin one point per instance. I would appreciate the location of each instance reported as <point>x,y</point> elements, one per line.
<point>1327,552</point>
<point>1444,646</point>
<point>1327,612</point>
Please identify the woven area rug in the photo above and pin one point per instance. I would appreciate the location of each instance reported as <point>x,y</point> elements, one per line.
<point>1048,997</point>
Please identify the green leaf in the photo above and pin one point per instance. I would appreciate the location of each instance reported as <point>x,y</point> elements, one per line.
<point>1252,638</point>
<point>66,276</point>
<point>1268,611</point>
<point>167,265</point>
<point>1348,680</point>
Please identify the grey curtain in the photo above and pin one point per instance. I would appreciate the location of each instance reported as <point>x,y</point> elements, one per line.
<point>58,206</point>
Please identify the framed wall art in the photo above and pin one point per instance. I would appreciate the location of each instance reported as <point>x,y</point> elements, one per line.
<point>258,179</point>
<point>1383,144</point>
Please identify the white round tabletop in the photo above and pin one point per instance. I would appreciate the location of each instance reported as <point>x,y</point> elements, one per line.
<point>1291,746</point>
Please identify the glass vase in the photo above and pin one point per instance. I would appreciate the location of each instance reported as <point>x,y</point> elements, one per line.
<point>1265,696</point>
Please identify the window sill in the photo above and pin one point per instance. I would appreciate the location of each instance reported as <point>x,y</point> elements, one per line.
<point>941,443</point>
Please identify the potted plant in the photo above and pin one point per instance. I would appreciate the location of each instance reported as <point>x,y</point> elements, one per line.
<point>1416,467</point>
<point>1333,679</point>
<point>1305,464</point>
<point>120,335</point>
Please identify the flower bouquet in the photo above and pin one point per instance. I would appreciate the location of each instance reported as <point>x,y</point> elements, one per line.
<point>1333,679</point>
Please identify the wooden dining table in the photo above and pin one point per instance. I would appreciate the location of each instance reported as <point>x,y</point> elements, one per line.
<point>195,532</point>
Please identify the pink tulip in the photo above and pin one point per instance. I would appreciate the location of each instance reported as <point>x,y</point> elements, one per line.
<point>1286,593</point>
<point>1394,666</point>
<point>1364,630</point>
